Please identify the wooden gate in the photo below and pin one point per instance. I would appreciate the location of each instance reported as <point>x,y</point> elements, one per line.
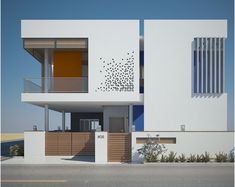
<point>119,147</point>
<point>69,143</point>
<point>83,143</point>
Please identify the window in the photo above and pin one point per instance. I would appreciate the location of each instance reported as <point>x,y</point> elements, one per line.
<point>208,65</point>
<point>87,125</point>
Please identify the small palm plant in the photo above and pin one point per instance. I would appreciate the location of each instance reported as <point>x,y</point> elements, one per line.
<point>182,158</point>
<point>192,158</point>
<point>171,156</point>
<point>198,158</point>
<point>205,157</point>
<point>221,157</point>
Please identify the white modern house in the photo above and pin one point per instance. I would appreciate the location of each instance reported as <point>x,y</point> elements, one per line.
<point>120,88</point>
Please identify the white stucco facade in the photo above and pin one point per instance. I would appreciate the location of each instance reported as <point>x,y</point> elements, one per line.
<point>168,99</point>
<point>109,41</point>
<point>34,145</point>
<point>101,147</point>
<point>188,142</point>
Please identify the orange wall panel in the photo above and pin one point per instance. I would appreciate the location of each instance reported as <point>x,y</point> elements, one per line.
<point>67,64</point>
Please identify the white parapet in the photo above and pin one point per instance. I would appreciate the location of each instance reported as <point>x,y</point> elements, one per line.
<point>101,147</point>
<point>188,142</point>
<point>34,145</point>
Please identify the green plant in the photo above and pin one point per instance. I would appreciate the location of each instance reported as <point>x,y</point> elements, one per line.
<point>231,156</point>
<point>221,157</point>
<point>151,149</point>
<point>17,150</point>
<point>152,158</point>
<point>205,157</point>
<point>171,156</point>
<point>176,159</point>
<point>182,158</point>
<point>163,158</point>
<point>198,158</point>
<point>192,158</point>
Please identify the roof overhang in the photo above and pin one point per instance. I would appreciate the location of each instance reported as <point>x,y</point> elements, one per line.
<point>75,102</point>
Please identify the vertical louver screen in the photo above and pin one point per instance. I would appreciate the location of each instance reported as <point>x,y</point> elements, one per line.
<point>208,65</point>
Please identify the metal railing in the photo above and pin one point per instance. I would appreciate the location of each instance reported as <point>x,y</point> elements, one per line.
<point>56,85</point>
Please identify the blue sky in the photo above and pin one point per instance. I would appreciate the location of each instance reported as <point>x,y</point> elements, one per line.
<point>17,64</point>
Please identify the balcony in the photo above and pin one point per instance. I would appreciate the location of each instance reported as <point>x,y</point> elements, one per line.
<point>56,85</point>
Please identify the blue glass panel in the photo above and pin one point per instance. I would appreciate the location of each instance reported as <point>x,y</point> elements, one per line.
<point>195,72</point>
<point>204,72</point>
<point>208,71</point>
<point>222,72</point>
<point>141,57</point>
<point>138,117</point>
<point>200,73</point>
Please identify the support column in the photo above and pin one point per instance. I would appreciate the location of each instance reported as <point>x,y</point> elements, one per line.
<point>130,117</point>
<point>46,118</point>
<point>63,120</point>
<point>46,69</point>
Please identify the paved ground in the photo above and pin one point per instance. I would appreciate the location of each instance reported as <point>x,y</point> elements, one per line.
<point>126,175</point>
<point>50,160</point>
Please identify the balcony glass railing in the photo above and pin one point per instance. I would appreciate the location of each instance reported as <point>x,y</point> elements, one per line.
<point>56,85</point>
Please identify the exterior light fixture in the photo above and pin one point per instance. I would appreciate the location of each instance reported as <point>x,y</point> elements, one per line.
<point>182,127</point>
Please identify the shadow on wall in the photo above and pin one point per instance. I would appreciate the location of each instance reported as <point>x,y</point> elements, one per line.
<point>205,95</point>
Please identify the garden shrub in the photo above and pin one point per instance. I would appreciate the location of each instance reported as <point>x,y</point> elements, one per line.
<point>176,159</point>
<point>17,150</point>
<point>152,149</point>
<point>221,157</point>
<point>171,156</point>
<point>192,158</point>
<point>163,158</point>
<point>198,158</point>
<point>182,158</point>
<point>231,156</point>
<point>205,157</point>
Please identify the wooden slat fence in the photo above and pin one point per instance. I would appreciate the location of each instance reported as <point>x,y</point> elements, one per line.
<point>119,147</point>
<point>69,143</point>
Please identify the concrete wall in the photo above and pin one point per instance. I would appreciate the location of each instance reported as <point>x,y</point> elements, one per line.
<point>168,77</point>
<point>113,52</point>
<point>101,147</point>
<point>114,111</point>
<point>34,145</point>
<point>189,142</point>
